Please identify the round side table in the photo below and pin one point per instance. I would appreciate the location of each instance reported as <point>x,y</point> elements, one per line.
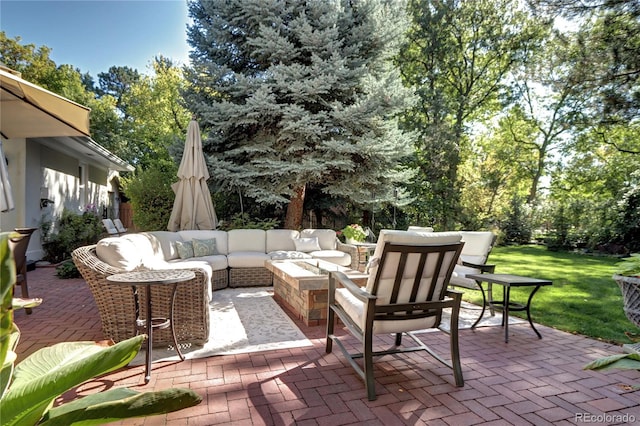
<point>147,279</point>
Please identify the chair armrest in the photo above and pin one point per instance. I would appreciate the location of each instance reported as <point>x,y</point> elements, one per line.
<point>482,266</point>
<point>352,287</point>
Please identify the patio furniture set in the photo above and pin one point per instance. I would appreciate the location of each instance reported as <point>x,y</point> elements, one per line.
<point>407,284</point>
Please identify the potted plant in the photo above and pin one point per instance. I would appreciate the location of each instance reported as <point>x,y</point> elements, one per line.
<point>354,234</point>
<point>627,275</point>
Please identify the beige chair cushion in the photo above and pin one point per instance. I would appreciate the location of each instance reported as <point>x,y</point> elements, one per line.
<point>459,277</point>
<point>420,228</point>
<point>477,245</point>
<point>355,309</point>
<point>402,237</point>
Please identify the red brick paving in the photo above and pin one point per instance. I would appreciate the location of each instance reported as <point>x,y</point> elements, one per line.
<point>527,381</point>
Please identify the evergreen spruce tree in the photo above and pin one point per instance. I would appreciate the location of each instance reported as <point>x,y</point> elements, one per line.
<point>293,93</point>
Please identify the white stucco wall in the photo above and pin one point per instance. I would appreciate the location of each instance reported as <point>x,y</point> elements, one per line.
<point>38,172</point>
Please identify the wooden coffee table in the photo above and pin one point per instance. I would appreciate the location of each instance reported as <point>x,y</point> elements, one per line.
<point>301,286</point>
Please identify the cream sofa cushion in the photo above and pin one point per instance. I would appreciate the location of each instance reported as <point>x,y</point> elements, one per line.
<point>164,244</point>
<point>127,252</point>
<point>247,259</point>
<point>281,240</point>
<point>326,237</point>
<point>222,245</point>
<point>243,240</point>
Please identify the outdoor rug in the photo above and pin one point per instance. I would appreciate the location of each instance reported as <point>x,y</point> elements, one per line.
<point>469,314</point>
<point>243,320</point>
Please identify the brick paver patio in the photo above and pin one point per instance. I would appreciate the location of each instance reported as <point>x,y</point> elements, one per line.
<point>525,381</point>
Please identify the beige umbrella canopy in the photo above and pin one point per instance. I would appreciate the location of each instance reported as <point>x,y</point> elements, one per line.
<point>29,111</point>
<point>192,208</point>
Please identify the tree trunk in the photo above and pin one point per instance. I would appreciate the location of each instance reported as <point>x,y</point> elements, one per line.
<point>293,219</point>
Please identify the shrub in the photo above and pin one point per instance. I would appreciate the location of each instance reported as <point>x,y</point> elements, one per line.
<point>151,195</point>
<point>70,232</point>
<point>244,221</point>
<point>516,227</point>
<point>67,269</point>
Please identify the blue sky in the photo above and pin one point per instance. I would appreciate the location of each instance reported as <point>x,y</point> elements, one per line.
<point>94,35</point>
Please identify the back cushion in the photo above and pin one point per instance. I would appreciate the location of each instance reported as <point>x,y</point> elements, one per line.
<point>326,237</point>
<point>222,245</point>
<point>164,243</point>
<point>127,252</point>
<point>477,245</point>
<point>247,240</point>
<point>281,239</point>
<point>403,237</point>
<point>420,228</point>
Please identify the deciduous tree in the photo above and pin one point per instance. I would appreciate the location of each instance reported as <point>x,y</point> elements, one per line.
<point>458,56</point>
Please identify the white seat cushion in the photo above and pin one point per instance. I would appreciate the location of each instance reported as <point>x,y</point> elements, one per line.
<point>247,259</point>
<point>355,309</point>
<point>190,264</point>
<point>459,277</point>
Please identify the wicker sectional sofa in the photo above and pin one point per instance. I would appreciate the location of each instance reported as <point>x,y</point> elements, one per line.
<point>235,258</point>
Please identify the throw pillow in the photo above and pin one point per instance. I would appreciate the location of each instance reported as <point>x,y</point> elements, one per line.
<point>185,249</point>
<point>306,245</point>
<point>204,247</point>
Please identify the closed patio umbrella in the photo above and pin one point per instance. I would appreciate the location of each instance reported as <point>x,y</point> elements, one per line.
<point>192,208</point>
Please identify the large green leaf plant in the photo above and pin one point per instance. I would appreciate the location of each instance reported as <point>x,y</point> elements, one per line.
<point>28,389</point>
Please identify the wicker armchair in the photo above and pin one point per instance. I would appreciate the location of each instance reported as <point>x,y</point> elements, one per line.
<point>116,303</point>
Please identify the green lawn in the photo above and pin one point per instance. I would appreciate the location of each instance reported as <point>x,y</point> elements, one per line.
<point>583,299</point>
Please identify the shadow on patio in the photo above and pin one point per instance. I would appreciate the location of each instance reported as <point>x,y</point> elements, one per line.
<point>525,381</point>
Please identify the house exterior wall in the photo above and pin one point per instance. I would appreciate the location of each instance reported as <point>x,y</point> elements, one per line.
<point>39,172</point>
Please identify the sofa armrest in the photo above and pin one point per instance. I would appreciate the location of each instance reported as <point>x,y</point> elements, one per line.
<point>351,250</point>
